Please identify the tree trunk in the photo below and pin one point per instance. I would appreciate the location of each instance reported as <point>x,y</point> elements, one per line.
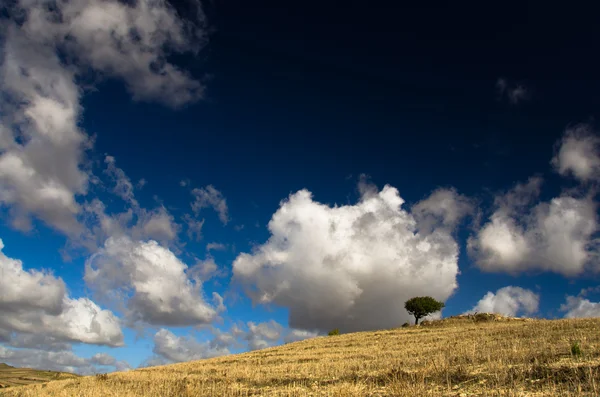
<point>416,320</point>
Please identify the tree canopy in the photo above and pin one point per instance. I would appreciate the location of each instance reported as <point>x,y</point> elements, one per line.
<point>421,306</point>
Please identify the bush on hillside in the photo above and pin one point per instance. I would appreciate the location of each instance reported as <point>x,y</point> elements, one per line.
<point>334,332</point>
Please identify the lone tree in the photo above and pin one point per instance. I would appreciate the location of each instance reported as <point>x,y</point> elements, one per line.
<point>421,306</point>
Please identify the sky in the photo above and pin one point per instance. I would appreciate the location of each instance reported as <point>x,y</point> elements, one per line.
<point>186,180</point>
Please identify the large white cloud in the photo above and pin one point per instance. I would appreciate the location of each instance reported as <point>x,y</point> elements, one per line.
<point>33,302</point>
<point>350,267</point>
<point>152,279</point>
<point>579,154</point>
<point>508,301</point>
<point>42,146</point>
<point>553,236</point>
<point>127,41</point>
<point>41,143</point>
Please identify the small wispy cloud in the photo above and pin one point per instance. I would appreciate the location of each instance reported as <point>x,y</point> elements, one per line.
<point>210,197</point>
<point>514,93</point>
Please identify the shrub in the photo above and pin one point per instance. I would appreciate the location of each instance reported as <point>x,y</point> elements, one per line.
<point>405,325</point>
<point>334,332</point>
<point>576,349</point>
<point>102,377</point>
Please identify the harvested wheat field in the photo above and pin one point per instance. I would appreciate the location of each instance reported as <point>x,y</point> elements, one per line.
<point>482,355</point>
<point>11,377</point>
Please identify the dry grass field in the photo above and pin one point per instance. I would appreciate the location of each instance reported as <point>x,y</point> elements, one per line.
<point>10,377</point>
<point>481,355</point>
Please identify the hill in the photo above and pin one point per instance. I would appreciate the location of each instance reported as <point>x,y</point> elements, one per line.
<point>481,355</point>
<point>11,376</point>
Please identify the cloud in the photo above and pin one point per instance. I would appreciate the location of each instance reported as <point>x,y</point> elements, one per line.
<point>157,224</point>
<point>508,301</point>
<point>215,247</point>
<point>179,348</point>
<point>136,223</point>
<point>210,197</point>
<point>514,93</point>
<point>123,186</point>
<point>103,359</point>
<point>126,41</point>
<point>194,227</point>
<point>28,290</point>
<point>579,307</point>
<point>161,293</point>
<point>204,270</point>
<point>263,335</point>
<point>122,366</point>
<point>64,361</point>
<point>218,301</point>
<point>332,266</point>
<point>295,335</point>
<point>554,236</point>
<point>33,302</point>
<point>36,341</point>
<point>443,208</point>
<point>578,154</point>
<point>154,361</point>
<point>222,340</point>
<point>41,144</point>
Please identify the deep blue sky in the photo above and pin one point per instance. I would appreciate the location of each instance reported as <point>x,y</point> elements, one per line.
<point>310,95</point>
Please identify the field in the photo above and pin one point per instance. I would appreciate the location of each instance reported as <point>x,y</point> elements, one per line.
<point>10,377</point>
<point>480,355</point>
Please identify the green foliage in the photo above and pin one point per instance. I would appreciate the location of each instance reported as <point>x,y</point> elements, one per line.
<point>576,349</point>
<point>405,325</point>
<point>421,306</point>
<point>334,332</point>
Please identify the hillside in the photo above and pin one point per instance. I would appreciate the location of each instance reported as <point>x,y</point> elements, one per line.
<point>465,356</point>
<point>11,376</point>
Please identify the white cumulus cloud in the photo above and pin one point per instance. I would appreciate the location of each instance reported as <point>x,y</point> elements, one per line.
<point>508,301</point>
<point>161,292</point>
<point>554,236</point>
<point>42,146</point>
<point>349,267</point>
<point>32,302</point>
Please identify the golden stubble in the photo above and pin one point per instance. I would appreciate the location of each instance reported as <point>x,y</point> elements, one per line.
<point>453,357</point>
